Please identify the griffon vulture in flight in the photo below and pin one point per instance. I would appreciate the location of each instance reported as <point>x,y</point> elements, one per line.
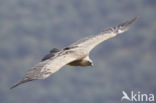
<point>76,54</point>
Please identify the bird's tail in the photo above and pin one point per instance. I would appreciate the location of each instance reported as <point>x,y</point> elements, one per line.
<point>24,80</point>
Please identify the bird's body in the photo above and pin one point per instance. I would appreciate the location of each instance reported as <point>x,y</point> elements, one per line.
<point>76,54</point>
<point>85,61</point>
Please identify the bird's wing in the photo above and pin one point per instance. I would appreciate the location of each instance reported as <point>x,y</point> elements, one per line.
<point>89,43</point>
<point>45,68</point>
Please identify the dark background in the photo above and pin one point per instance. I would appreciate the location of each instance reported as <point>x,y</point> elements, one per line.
<point>30,28</point>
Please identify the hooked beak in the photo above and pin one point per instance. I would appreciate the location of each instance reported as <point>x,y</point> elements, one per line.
<point>92,64</point>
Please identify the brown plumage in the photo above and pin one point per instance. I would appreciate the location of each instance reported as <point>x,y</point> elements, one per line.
<point>76,54</point>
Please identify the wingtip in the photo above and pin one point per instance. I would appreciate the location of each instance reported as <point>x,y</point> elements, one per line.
<point>14,86</point>
<point>17,84</point>
<point>125,25</point>
<point>129,22</point>
<point>21,82</point>
<point>133,20</point>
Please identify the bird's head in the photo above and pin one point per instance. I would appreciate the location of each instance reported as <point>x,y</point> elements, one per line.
<point>90,63</point>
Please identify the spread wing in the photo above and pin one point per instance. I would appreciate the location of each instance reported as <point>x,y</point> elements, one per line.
<point>89,43</point>
<point>45,68</point>
<point>51,65</point>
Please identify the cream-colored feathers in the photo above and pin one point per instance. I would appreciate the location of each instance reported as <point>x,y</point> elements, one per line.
<point>74,55</point>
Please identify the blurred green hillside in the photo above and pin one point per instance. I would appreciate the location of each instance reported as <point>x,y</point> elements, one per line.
<point>30,28</point>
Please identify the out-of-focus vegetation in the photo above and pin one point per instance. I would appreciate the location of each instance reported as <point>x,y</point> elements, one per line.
<point>30,28</point>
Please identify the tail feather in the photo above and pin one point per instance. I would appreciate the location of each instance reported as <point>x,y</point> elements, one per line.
<point>24,80</point>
